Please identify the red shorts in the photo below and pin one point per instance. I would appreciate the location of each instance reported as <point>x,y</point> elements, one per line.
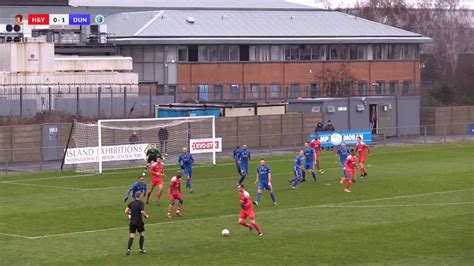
<point>176,196</point>
<point>350,173</point>
<point>247,214</point>
<point>156,181</point>
<point>362,160</point>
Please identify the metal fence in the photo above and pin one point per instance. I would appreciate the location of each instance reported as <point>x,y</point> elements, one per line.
<point>27,159</point>
<point>131,100</point>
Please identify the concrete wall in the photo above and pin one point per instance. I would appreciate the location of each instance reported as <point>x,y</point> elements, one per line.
<point>445,119</point>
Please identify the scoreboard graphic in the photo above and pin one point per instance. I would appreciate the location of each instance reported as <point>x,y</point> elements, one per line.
<point>64,19</point>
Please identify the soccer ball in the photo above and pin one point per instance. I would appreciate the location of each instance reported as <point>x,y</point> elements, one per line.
<point>225,232</point>
<point>143,174</point>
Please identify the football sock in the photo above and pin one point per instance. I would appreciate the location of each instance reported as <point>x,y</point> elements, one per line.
<point>180,206</point>
<point>304,175</point>
<point>142,240</point>
<point>148,196</point>
<point>255,225</point>
<point>318,167</point>
<point>314,176</point>
<point>158,196</point>
<point>348,184</point>
<point>295,180</point>
<point>130,242</point>
<point>243,223</point>
<point>242,179</point>
<point>170,208</point>
<point>272,196</point>
<point>259,195</point>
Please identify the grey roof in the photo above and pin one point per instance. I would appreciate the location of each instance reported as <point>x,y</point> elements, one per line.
<point>207,4</point>
<point>245,26</point>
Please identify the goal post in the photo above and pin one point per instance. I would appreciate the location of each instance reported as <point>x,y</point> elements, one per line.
<point>121,143</point>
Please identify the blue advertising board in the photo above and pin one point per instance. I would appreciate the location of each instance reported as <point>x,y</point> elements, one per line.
<point>330,139</point>
<point>471,129</point>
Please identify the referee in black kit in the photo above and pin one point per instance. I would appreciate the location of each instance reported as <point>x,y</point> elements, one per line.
<point>135,210</point>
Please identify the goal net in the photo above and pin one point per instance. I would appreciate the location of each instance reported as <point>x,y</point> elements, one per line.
<point>121,143</point>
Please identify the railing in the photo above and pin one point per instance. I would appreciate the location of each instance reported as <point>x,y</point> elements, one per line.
<point>34,158</point>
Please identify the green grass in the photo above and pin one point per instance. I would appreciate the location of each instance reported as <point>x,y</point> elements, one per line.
<point>415,207</point>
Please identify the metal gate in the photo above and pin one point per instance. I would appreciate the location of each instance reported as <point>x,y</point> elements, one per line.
<point>50,142</point>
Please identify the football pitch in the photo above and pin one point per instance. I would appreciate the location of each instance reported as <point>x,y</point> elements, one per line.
<point>416,206</point>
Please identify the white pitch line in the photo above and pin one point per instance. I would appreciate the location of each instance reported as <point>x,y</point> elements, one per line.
<point>13,235</point>
<point>399,205</point>
<point>126,186</point>
<point>234,215</point>
<point>46,186</point>
<point>201,166</point>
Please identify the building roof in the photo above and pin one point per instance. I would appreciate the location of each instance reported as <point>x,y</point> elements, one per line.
<point>187,4</point>
<point>237,26</point>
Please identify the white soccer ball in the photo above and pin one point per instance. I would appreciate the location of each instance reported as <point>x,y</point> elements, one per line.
<point>143,174</point>
<point>225,232</point>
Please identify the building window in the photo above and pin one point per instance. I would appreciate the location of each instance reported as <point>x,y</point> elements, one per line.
<point>203,92</point>
<point>347,88</point>
<point>305,52</point>
<point>148,72</point>
<point>223,53</point>
<point>182,54</point>
<point>275,53</point>
<point>335,89</point>
<point>291,52</point>
<point>357,52</point>
<point>317,52</point>
<point>362,87</point>
<point>315,90</point>
<point>338,52</point>
<point>159,53</point>
<point>234,52</point>
<point>410,52</point>
<point>218,92</point>
<point>294,90</point>
<point>254,92</point>
<point>234,91</point>
<point>407,87</point>
<point>361,52</point>
<point>253,53</point>
<point>203,52</point>
<point>393,87</point>
<point>379,86</point>
<point>377,52</point>
<point>275,90</point>
<point>213,53</point>
<point>263,53</point>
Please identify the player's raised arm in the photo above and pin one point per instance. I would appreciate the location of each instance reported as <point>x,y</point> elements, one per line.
<point>130,190</point>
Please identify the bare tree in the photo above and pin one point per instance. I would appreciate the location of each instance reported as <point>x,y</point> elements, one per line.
<point>334,79</point>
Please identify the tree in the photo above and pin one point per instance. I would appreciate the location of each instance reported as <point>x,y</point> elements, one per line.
<point>444,21</point>
<point>335,78</point>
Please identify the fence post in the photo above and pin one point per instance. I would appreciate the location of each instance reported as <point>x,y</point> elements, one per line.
<point>270,145</point>
<point>150,102</point>
<point>406,138</point>
<point>78,108</point>
<point>465,132</point>
<point>50,99</point>
<point>445,132</point>
<point>6,161</point>
<point>99,92</point>
<point>41,157</point>
<point>21,102</point>
<point>384,139</point>
<point>125,101</point>
<point>425,132</point>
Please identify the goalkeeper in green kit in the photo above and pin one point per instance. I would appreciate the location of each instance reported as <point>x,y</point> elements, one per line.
<point>152,153</point>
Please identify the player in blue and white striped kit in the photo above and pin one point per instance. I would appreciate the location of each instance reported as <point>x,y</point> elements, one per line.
<point>297,167</point>
<point>244,158</point>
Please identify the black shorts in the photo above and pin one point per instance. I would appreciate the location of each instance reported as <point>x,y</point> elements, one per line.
<point>134,227</point>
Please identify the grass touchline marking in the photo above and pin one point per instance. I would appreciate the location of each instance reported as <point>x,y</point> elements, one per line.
<point>234,215</point>
<point>398,205</point>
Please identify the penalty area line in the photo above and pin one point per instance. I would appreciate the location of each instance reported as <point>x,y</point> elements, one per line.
<point>336,205</point>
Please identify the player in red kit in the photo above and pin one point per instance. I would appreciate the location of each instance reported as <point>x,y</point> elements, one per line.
<point>360,148</point>
<point>174,192</point>
<point>247,210</point>
<point>350,164</point>
<point>316,145</point>
<point>157,170</point>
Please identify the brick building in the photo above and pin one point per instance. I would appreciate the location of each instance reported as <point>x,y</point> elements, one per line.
<point>267,55</point>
